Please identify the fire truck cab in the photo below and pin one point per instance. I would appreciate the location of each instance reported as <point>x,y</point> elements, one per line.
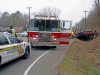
<point>49,31</point>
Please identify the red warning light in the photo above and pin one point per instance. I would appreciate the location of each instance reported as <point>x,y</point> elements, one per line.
<point>48,16</point>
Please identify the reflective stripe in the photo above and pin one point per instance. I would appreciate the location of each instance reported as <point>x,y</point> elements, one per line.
<point>27,30</point>
<point>58,29</point>
<point>11,48</point>
<point>73,33</point>
<point>13,32</point>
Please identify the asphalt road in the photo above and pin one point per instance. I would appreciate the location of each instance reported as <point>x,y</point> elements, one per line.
<point>46,65</point>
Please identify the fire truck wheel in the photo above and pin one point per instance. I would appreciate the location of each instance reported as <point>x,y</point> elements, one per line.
<point>27,53</point>
<point>54,46</point>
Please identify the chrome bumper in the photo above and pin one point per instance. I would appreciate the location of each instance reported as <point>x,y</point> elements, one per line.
<point>45,43</point>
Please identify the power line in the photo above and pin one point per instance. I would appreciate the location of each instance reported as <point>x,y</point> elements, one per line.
<point>20,3</point>
<point>90,4</point>
<point>84,4</point>
<point>10,4</point>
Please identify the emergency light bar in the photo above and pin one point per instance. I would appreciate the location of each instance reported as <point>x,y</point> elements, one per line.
<point>44,16</point>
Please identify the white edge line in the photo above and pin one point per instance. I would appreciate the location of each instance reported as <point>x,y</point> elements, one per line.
<point>27,70</point>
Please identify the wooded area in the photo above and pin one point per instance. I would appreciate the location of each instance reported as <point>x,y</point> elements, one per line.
<point>16,19</point>
<point>19,19</point>
<point>92,20</point>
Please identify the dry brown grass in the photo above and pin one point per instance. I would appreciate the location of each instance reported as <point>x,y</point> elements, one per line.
<point>82,58</point>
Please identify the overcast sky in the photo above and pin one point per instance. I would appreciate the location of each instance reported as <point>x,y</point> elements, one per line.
<point>71,9</point>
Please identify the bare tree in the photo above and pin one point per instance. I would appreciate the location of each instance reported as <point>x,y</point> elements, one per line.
<point>52,11</point>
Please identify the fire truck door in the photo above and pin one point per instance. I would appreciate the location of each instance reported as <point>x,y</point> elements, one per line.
<point>65,32</point>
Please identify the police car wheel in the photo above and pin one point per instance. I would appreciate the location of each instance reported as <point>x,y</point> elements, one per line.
<point>54,46</point>
<point>27,53</point>
<point>0,63</point>
<point>32,46</point>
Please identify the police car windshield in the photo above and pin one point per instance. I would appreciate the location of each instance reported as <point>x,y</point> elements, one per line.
<point>44,25</point>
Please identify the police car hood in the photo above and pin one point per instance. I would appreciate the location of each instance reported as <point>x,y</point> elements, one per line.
<point>24,33</point>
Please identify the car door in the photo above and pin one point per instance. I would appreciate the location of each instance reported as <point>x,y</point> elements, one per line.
<point>18,48</point>
<point>65,35</point>
<point>5,49</point>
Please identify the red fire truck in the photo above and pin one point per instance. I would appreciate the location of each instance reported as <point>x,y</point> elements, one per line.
<point>49,31</point>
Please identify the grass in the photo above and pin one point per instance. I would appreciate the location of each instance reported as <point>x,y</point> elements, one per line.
<point>18,35</point>
<point>82,58</point>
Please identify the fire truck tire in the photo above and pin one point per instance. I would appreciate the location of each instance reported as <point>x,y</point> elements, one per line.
<point>54,46</point>
<point>27,53</point>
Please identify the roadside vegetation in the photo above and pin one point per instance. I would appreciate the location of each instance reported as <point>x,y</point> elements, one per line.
<point>92,19</point>
<point>18,35</point>
<point>82,58</point>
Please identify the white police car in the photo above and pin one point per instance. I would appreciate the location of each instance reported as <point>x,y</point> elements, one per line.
<point>24,34</point>
<point>11,48</point>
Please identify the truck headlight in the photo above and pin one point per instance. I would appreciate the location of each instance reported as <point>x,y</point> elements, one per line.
<point>54,39</point>
<point>34,38</point>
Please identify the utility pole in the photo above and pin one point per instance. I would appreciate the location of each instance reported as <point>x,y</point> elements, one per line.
<point>29,11</point>
<point>29,14</point>
<point>85,18</point>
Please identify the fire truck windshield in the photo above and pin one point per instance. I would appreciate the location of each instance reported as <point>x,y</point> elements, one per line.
<point>44,25</point>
